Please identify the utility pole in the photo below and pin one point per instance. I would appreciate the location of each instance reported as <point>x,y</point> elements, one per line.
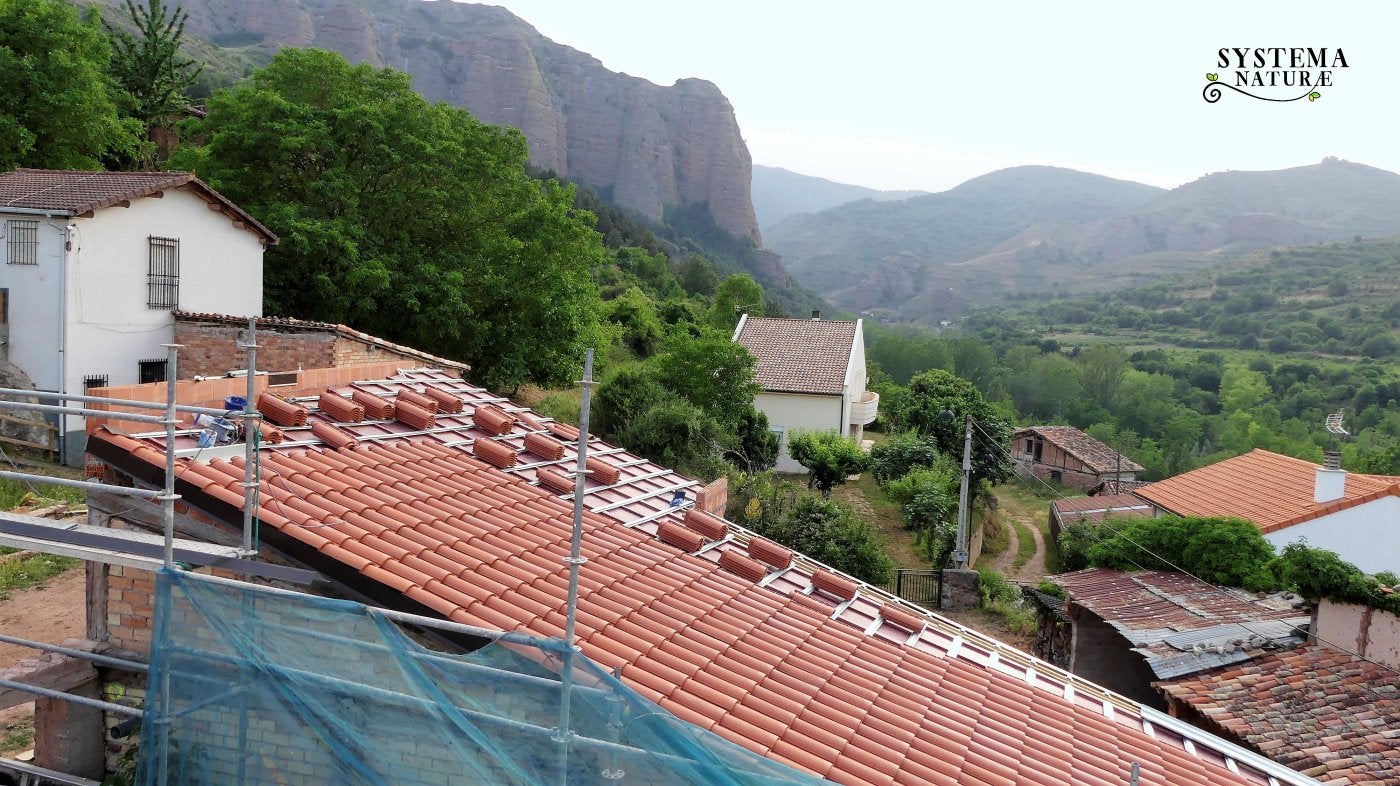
<point>960,553</point>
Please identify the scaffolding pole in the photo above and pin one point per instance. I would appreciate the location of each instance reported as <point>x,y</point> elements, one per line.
<point>249,449</point>
<point>120,402</point>
<point>575,561</point>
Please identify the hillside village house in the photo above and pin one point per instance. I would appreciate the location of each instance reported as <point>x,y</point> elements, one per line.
<point>1065,454</point>
<point>1355,515</point>
<point>94,264</point>
<point>812,372</point>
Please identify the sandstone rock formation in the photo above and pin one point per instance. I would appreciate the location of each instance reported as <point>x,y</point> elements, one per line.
<point>645,146</point>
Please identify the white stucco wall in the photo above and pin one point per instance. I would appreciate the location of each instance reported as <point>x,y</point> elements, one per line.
<point>34,314</point>
<point>110,326</point>
<point>855,380</point>
<point>1367,536</point>
<point>792,412</point>
<point>1359,629</point>
<point>104,320</point>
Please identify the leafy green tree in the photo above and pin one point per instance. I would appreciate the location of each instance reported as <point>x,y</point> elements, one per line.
<point>1219,550</point>
<point>149,69</point>
<point>754,448</point>
<point>1101,371</point>
<point>897,456</point>
<point>56,104</point>
<point>410,220</point>
<point>622,397</point>
<point>830,533</point>
<point>635,313</point>
<point>828,456</point>
<point>675,433</point>
<point>934,392</point>
<point>929,496</point>
<point>712,372</point>
<point>698,276</point>
<point>737,294</point>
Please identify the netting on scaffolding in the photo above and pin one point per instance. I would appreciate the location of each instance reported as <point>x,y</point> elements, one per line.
<point>255,686</point>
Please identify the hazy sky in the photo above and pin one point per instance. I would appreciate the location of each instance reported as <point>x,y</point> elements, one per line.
<point>899,94</point>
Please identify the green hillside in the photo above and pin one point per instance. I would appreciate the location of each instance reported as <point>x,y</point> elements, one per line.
<point>1337,299</point>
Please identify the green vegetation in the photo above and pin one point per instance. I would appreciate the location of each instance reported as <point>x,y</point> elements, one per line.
<point>829,457</point>
<point>922,406</point>
<point>13,494</point>
<point>57,106</point>
<point>1339,299</point>
<point>1005,600</point>
<point>820,528</point>
<point>152,75</point>
<point>17,574</point>
<point>1025,544</point>
<point>410,220</point>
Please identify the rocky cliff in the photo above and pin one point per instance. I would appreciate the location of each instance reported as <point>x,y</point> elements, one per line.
<point>645,146</point>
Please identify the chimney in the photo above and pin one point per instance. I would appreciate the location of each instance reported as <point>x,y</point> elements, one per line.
<point>1331,481</point>
<point>816,313</point>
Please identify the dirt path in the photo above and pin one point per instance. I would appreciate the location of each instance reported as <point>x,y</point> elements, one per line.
<point>50,612</point>
<point>1028,511</point>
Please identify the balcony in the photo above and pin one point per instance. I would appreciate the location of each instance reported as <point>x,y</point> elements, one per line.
<point>864,408</point>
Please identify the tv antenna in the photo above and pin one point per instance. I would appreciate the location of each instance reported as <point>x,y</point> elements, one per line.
<point>1334,424</point>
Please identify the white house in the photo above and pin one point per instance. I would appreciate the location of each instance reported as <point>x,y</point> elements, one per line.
<point>93,263</point>
<point>812,372</point>
<point>1355,515</point>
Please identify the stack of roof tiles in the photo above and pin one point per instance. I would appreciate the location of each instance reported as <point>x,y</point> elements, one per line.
<point>1326,713</point>
<point>727,631</point>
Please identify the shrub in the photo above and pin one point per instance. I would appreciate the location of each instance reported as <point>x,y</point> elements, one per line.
<point>829,457</point>
<point>896,456</point>
<point>829,532</point>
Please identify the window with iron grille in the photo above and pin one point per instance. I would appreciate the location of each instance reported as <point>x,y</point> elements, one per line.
<point>152,371</point>
<point>163,277</point>
<point>94,381</point>
<point>22,242</point>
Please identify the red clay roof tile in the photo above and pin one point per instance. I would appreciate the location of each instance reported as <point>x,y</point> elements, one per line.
<point>799,355</point>
<point>763,665</point>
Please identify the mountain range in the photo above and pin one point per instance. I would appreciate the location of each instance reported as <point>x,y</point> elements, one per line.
<point>929,259</point>
<point>779,193</point>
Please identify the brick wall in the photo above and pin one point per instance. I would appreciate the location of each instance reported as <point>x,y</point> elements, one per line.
<point>211,349</point>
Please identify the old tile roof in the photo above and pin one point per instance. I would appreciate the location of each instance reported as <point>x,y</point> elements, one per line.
<point>1100,507</point>
<point>799,355</point>
<point>71,192</point>
<point>727,631</point>
<point>1323,712</point>
<point>1181,624</point>
<point>292,323</point>
<point>1095,455</point>
<point>1111,485</point>
<point>1266,488</point>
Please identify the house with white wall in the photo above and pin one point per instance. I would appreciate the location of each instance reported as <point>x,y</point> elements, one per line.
<point>1289,499</point>
<point>92,265</point>
<point>812,372</point>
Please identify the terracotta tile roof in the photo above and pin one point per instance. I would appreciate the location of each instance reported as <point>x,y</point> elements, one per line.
<point>292,323</point>
<point>1325,713</point>
<point>1266,488</point>
<point>1111,485</point>
<point>799,355</point>
<point>1095,455</point>
<point>1180,624</point>
<point>804,665</point>
<point>1100,507</point>
<point>73,192</point>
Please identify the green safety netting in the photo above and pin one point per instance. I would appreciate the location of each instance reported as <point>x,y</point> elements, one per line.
<point>250,685</point>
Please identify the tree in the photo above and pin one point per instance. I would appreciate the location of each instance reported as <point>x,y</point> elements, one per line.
<point>737,294</point>
<point>829,457</point>
<point>896,456</point>
<point>711,372</point>
<point>754,447</point>
<point>149,70</point>
<point>674,433</point>
<point>830,533</point>
<point>410,220</point>
<point>56,105</point>
<point>1101,370</point>
<point>934,392</point>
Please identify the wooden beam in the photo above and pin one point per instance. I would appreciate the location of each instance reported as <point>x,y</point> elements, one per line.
<point>46,670</point>
<point>85,214</point>
<point>27,444</point>
<point>124,203</point>
<point>96,585</point>
<point>157,195</point>
<point>30,423</point>
<point>215,206</point>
